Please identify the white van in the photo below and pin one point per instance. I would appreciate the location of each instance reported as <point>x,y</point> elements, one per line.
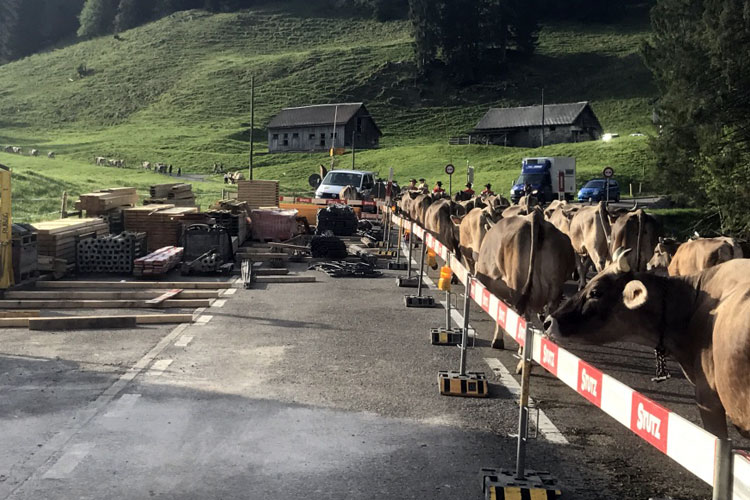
<point>336,180</point>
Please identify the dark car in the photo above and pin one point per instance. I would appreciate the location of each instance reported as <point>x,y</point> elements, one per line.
<point>596,190</point>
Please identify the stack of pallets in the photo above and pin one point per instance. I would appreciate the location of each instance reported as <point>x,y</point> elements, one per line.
<point>58,239</point>
<point>158,262</point>
<point>258,194</point>
<point>178,194</point>
<point>161,223</point>
<point>110,254</point>
<point>102,201</point>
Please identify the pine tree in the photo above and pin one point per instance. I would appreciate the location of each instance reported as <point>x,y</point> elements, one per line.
<point>9,19</point>
<point>132,13</point>
<point>97,18</point>
<point>425,20</point>
<point>523,22</point>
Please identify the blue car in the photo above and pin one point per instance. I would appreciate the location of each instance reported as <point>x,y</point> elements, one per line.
<point>596,190</point>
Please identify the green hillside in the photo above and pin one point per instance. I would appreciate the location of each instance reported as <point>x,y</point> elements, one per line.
<point>177,90</point>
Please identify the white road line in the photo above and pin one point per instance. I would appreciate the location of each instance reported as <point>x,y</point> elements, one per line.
<point>203,319</point>
<point>230,291</point>
<point>123,405</point>
<point>184,341</point>
<point>546,427</point>
<point>219,303</point>
<point>69,461</point>
<point>158,367</point>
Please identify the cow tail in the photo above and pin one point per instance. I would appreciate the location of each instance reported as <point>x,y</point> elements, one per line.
<point>604,221</point>
<point>638,242</point>
<point>526,291</point>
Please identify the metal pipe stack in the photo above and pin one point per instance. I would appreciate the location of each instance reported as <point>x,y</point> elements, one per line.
<point>110,254</point>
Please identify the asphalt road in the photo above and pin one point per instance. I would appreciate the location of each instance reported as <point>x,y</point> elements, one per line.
<point>320,390</point>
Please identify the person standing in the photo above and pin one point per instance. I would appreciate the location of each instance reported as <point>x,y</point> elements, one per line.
<point>179,171</point>
<point>487,191</point>
<point>438,189</point>
<point>423,185</point>
<point>469,191</point>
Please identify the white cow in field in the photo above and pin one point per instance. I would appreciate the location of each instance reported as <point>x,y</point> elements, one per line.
<point>51,155</point>
<point>34,152</point>
<point>146,165</point>
<point>100,161</point>
<point>17,150</point>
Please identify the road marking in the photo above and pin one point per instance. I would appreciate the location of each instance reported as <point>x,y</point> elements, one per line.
<point>219,303</point>
<point>183,341</point>
<point>24,472</point>
<point>123,405</point>
<point>69,461</point>
<point>202,320</point>
<point>546,427</point>
<point>230,291</point>
<point>158,367</point>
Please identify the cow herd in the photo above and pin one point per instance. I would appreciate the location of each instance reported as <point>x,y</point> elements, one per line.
<point>19,151</point>
<point>101,161</point>
<point>689,301</point>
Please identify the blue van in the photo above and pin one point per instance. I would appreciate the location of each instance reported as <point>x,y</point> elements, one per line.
<point>596,190</point>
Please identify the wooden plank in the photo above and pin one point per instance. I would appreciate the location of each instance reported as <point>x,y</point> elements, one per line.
<point>263,256</point>
<point>82,322</point>
<point>106,295</point>
<point>165,285</point>
<point>19,314</point>
<point>285,279</point>
<point>140,319</point>
<point>166,295</point>
<point>271,272</point>
<point>100,304</point>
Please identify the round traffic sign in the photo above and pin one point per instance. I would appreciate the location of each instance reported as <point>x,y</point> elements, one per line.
<point>449,169</point>
<point>608,172</point>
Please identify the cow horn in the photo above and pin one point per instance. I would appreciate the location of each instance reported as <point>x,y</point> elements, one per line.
<point>620,258</point>
<point>635,206</point>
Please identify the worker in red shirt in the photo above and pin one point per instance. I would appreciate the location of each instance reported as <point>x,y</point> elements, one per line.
<point>468,190</point>
<point>438,189</point>
<point>487,191</point>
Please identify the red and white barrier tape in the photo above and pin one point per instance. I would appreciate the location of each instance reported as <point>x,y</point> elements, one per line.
<point>327,201</point>
<point>684,442</point>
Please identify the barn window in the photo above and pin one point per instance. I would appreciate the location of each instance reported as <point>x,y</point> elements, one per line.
<point>275,137</point>
<point>334,135</point>
<point>295,135</point>
<point>286,136</point>
<point>312,137</point>
<point>286,141</point>
<point>322,140</point>
<point>552,128</point>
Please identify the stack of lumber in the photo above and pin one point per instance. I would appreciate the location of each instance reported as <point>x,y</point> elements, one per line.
<point>235,224</point>
<point>232,206</point>
<point>58,239</point>
<point>158,262</point>
<point>110,254</point>
<point>161,223</point>
<point>102,201</point>
<point>178,194</point>
<point>258,194</point>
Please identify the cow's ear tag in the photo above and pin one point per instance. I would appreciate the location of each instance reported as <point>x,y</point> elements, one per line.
<point>635,294</point>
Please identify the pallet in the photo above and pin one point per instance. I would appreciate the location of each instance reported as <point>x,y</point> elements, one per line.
<point>258,193</point>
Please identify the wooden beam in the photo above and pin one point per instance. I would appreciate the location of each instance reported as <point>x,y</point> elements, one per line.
<point>19,314</point>
<point>141,319</point>
<point>82,322</point>
<point>106,295</point>
<point>271,272</point>
<point>166,295</point>
<point>100,304</point>
<point>161,285</point>
<point>285,279</point>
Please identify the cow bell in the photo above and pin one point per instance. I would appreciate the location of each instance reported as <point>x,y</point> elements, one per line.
<point>431,260</point>
<point>444,283</point>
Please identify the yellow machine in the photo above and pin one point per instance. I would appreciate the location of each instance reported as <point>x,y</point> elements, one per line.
<point>6,230</point>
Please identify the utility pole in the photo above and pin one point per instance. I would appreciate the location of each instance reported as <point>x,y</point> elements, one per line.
<point>353,148</point>
<point>252,123</point>
<point>333,135</point>
<point>542,116</point>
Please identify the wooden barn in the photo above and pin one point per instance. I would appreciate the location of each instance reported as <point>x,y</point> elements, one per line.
<point>523,127</point>
<point>311,128</point>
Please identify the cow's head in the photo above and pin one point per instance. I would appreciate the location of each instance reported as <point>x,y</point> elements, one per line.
<point>615,306</point>
<point>663,253</point>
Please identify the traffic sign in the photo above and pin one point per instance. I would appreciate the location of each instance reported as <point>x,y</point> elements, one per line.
<point>608,172</point>
<point>449,169</point>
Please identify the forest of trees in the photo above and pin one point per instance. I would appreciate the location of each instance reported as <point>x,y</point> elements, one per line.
<point>698,55</point>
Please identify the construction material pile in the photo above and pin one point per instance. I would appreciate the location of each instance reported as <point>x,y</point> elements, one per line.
<point>259,194</point>
<point>339,219</point>
<point>276,225</point>
<point>57,240</point>
<point>235,224</point>
<point>110,254</point>
<point>103,201</point>
<point>159,262</point>
<point>161,223</point>
<point>178,194</point>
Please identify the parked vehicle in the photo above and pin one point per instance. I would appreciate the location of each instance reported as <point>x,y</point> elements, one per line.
<point>550,176</point>
<point>596,190</point>
<point>336,180</point>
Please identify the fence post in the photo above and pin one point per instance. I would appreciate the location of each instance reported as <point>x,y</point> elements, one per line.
<point>411,246</point>
<point>465,333</point>
<point>523,417</point>
<point>64,205</point>
<point>421,267</point>
<point>723,470</point>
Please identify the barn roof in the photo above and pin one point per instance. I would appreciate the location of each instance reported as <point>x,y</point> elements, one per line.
<point>320,114</point>
<point>531,116</point>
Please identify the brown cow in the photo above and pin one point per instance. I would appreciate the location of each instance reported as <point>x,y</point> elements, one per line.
<point>418,208</point>
<point>437,221</point>
<point>693,256</point>
<point>348,193</point>
<point>525,261</point>
<point>472,230</point>
<point>560,213</point>
<point>589,232</point>
<point>702,321</point>
<point>638,231</point>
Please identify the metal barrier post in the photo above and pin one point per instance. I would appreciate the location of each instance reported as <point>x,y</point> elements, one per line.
<point>398,243</point>
<point>447,310</point>
<point>411,246</point>
<point>723,470</point>
<point>465,332</point>
<point>523,417</point>
<point>421,269</point>
<point>388,230</point>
